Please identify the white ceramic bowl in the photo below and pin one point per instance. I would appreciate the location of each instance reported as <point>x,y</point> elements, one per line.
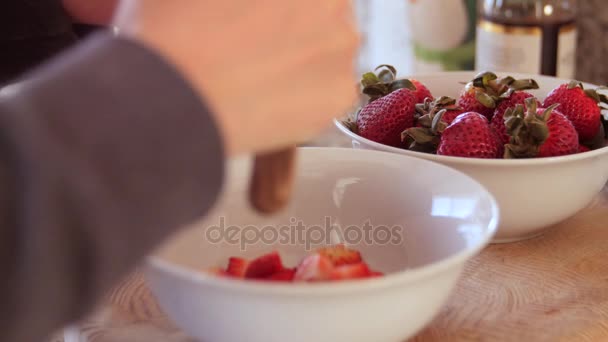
<point>446,218</point>
<point>532,194</point>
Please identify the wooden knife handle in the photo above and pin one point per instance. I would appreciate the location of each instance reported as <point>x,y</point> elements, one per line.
<point>272,180</point>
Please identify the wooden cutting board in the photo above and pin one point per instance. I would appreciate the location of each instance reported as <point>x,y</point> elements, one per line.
<point>551,288</point>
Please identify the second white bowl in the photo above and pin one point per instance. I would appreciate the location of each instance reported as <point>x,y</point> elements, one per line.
<point>445,219</point>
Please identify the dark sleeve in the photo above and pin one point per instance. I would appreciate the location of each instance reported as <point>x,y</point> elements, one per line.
<point>103,153</point>
<point>31,31</point>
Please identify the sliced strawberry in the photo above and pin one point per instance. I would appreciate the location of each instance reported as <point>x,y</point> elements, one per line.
<point>315,267</point>
<point>264,266</point>
<point>286,275</point>
<point>340,255</point>
<point>353,271</point>
<point>237,267</point>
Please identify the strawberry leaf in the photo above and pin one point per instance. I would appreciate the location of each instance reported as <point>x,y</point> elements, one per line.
<point>526,84</point>
<point>351,125</point>
<point>483,79</point>
<point>403,83</point>
<point>574,84</point>
<point>369,79</point>
<point>374,92</point>
<point>387,66</point>
<point>506,80</point>
<point>438,125</point>
<point>386,76</point>
<point>485,99</point>
<point>592,94</point>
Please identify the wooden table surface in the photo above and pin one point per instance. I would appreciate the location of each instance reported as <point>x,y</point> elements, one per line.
<point>550,288</point>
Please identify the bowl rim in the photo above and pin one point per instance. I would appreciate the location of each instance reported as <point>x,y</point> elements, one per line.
<point>455,261</point>
<point>477,161</point>
<point>472,161</point>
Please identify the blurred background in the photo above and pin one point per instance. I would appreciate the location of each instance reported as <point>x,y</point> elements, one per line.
<point>592,22</point>
<point>418,36</point>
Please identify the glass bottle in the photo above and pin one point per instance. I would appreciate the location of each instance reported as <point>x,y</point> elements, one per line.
<point>527,36</point>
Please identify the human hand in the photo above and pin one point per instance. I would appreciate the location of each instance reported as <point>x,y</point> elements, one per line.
<point>273,72</point>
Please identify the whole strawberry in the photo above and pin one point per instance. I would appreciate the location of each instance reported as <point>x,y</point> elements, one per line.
<point>582,108</point>
<point>390,108</point>
<point>422,92</point>
<point>384,119</point>
<point>483,94</point>
<point>498,121</point>
<point>470,135</point>
<point>432,117</point>
<point>539,132</point>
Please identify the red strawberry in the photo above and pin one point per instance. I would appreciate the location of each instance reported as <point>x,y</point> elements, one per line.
<point>264,266</point>
<point>580,106</point>
<point>285,275</point>
<point>485,91</point>
<point>473,99</point>
<point>391,106</point>
<point>384,119</point>
<point>563,138</point>
<point>450,115</point>
<point>237,267</point>
<point>352,271</point>
<point>583,148</point>
<point>498,121</point>
<point>422,92</point>
<point>539,133</point>
<point>340,255</point>
<point>314,267</point>
<point>470,135</point>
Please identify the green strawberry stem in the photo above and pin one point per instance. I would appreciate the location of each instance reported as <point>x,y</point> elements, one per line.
<point>387,73</point>
<point>351,122</point>
<point>432,106</point>
<point>382,82</point>
<point>528,132</point>
<point>489,89</point>
<point>427,137</point>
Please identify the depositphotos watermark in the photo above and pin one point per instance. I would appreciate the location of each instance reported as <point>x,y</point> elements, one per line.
<point>298,233</point>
